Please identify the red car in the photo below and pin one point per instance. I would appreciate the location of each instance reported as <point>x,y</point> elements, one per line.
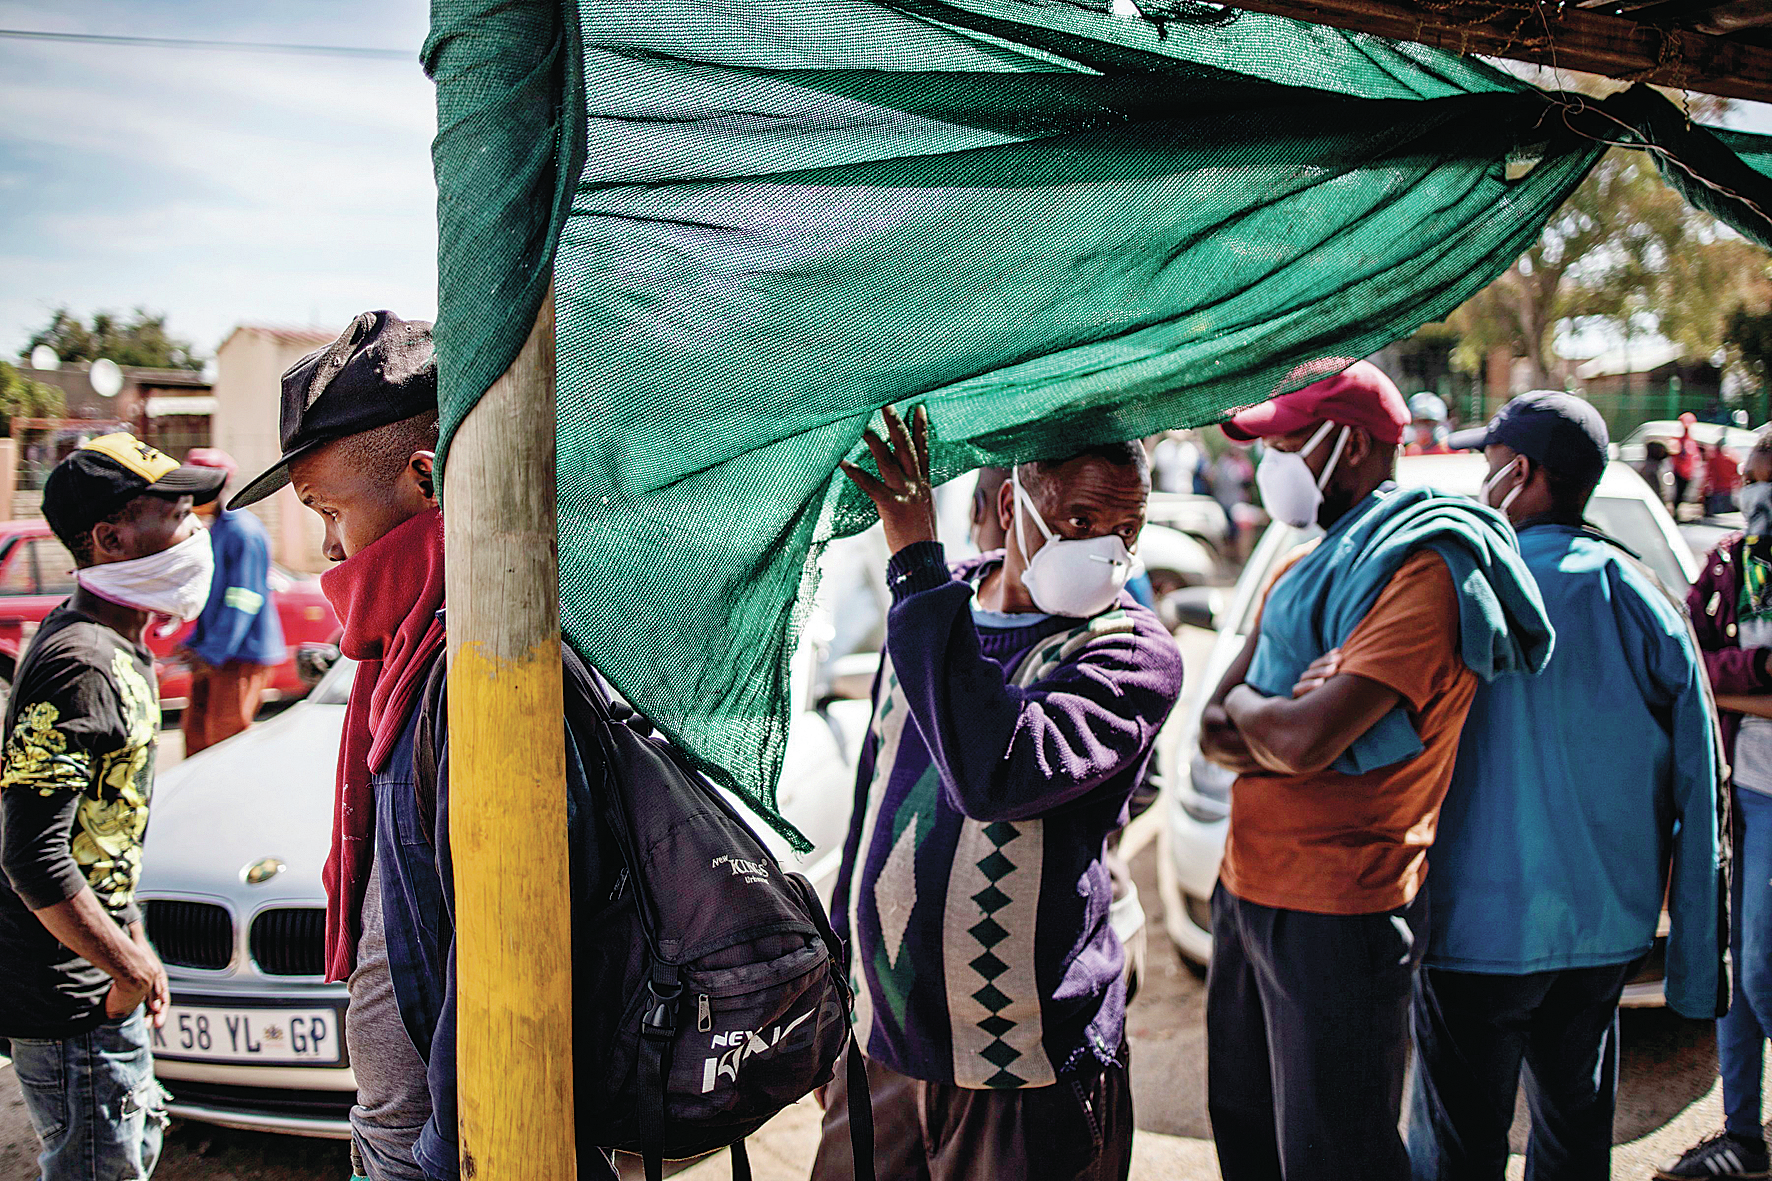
<point>37,572</point>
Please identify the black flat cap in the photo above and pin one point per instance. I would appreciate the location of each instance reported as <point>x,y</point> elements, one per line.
<point>381,369</point>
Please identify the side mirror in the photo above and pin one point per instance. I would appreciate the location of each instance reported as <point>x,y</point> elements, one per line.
<point>851,677</point>
<point>313,660</point>
<point>1192,606</point>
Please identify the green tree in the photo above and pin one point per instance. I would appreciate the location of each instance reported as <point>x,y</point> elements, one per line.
<point>20,397</point>
<point>140,340</point>
<point>1749,336</point>
<point>1626,253</point>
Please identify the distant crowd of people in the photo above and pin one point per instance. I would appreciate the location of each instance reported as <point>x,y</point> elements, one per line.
<point>1492,683</point>
<point>1683,470</point>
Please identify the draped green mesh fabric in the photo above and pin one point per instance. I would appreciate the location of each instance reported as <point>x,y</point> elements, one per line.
<point>1054,224</point>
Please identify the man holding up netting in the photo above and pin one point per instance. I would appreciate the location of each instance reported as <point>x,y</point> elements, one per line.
<point>1018,700</point>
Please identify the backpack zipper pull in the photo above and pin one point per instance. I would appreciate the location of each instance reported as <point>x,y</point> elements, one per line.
<point>704,1014</point>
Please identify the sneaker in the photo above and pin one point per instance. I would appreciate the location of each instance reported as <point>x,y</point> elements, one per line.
<point>1723,1155</point>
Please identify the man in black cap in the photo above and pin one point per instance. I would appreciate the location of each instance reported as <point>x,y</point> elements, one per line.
<point>80,982</point>
<point>359,425</point>
<point>1572,793</point>
<point>359,428</point>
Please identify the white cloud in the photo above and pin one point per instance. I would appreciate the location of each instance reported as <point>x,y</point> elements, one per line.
<point>216,187</point>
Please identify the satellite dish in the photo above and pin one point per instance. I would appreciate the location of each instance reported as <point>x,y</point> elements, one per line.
<point>105,377</point>
<point>43,357</point>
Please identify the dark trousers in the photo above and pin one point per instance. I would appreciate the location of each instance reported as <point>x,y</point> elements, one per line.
<point>1472,1034</point>
<point>1077,1129</point>
<point>1681,483</point>
<point>1307,1040</point>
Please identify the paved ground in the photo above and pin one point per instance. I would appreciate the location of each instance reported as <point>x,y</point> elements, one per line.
<point>1668,1100</point>
<point>1669,1097</point>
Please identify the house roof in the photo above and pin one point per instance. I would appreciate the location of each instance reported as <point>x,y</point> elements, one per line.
<point>189,379</point>
<point>284,334</point>
<point>1639,358</point>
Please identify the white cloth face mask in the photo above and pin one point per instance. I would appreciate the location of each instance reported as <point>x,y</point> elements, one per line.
<point>173,582</point>
<point>1289,492</point>
<point>1074,578</point>
<point>1492,481</point>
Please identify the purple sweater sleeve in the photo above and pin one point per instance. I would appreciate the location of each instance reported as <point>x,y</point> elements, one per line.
<point>1006,753</point>
<point>1711,602</point>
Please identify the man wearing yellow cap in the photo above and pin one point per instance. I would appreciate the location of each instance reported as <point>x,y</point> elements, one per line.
<point>79,980</point>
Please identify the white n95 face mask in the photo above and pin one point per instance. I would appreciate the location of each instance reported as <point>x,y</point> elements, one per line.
<point>173,582</point>
<point>1488,487</point>
<point>1289,492</point>
<point>1074,578</point>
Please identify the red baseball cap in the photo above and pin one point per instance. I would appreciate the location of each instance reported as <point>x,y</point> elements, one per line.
<point>212,457</point>
<point>1359,396</point>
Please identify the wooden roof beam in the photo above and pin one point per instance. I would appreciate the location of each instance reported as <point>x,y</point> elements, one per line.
<point>1717,16</point>
<point>1739,14</point>
<point>1547,34</point>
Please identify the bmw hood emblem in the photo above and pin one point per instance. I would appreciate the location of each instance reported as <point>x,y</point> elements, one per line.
<point>262,871</point>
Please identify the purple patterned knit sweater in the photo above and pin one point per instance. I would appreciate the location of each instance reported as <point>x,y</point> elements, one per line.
<point>974,892</point>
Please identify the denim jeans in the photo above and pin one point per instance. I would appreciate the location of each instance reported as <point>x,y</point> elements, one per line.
<point>1474,1032</point>
<point>1741,1036</point>
<point>93,1102</point>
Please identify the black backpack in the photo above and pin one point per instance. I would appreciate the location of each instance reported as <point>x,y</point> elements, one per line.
<point>716,989</point>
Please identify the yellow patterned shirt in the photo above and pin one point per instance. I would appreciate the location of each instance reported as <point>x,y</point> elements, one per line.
<point>76,776</point>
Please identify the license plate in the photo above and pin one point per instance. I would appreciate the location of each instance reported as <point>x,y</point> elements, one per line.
<point>309,1036</point>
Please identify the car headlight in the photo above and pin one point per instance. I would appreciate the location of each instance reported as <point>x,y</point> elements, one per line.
<point>1207,795</point>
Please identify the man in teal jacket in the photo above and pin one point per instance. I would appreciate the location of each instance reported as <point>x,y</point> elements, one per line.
<point>1574,793</point>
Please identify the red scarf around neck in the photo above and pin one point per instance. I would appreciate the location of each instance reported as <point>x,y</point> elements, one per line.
<point>387,595</point>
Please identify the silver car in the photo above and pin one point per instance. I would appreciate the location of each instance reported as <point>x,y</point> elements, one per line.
<point>1196,800</point>
<point>233,901</point>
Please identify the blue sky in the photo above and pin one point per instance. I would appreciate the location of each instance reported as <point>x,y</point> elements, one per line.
<point>224,187</point>
<point>216,187</point>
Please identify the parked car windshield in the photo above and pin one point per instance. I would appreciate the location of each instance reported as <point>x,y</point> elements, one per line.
<point>1633,523</point>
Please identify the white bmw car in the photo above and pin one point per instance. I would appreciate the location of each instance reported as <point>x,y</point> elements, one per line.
<point>1196,798</point>
<point>233,901</point>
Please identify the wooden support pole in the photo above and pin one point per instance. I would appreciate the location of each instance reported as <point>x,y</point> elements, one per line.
<point>1551,34</point>
<point>507,799</point>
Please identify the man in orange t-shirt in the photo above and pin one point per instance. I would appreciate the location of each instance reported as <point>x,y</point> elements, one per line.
<point>1319,915</point>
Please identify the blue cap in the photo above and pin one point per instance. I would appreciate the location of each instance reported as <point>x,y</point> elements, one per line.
<point>1556,430</point>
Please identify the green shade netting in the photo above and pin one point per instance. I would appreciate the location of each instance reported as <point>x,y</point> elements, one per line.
<point>1053,224</point>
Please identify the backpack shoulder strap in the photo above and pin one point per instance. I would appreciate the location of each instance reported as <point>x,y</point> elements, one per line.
<point>433,724</point>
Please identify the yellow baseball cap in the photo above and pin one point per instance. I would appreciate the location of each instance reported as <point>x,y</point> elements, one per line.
<point>103,474</point>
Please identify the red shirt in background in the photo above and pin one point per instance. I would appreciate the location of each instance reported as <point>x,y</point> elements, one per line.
<point>1684,451</point>
<point>1721,472</point>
